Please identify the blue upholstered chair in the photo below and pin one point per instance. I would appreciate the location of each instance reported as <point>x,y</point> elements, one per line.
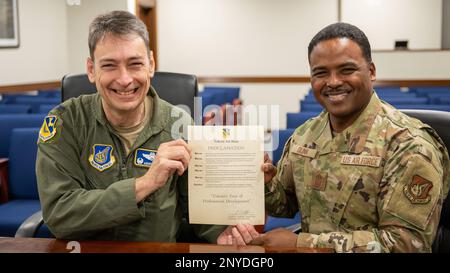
<point>10,121</point>
<point>36,101</point>
<point>279,138</point>
<point>45,108</point>
<point>230,93</point>
<point>20,188</point>
<point>15,109</point>
<point>296,119</point>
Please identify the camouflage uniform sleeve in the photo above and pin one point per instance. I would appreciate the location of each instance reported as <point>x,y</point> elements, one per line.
<point>69,208</point>
<point>410,200</point>
<point>280,197</point>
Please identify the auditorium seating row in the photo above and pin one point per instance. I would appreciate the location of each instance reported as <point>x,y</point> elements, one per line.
<point>19,197</point>
<point>427,98</point>
<point>42,102</point>
<point>219,95</point>
<point>219,105</point>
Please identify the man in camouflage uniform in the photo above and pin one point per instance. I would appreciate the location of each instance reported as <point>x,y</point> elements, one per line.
<point>364,176</point>
<point>109,165</point>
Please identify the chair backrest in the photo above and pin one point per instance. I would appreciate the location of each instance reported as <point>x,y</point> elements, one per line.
<point>36,101</point>
<point>293,120</point>
<point>230,93</point>
<point>439,121</point>
<point>45,108</point>
<point>175,88</point>
<point>10,121</point>
<point>279,138</point>
<point>14,109</point>
<point>22,161</point>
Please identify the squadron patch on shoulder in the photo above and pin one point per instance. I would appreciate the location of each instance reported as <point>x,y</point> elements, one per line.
<point>102,157</point>
<point>48,128</point>
<point>144,157</point>
<point>417,191</point>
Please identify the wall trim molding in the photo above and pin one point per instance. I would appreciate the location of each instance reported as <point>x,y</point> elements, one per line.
<point>16,88</point>
<point>305,79</point>
<point>253,79</point>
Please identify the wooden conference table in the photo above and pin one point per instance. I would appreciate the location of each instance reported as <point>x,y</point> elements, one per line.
<point>43,245</point>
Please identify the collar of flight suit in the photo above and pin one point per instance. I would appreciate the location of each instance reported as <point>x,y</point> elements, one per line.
<point>160,117</point>
<point>352,139</point>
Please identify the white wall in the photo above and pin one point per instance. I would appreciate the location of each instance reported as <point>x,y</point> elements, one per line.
<point>412,65</point>
<point>42,55</point>
<point>78,20</point>
<point>53,39</point>
<point>384,21</point>
<point>243,38</point>
<point>239,37</point>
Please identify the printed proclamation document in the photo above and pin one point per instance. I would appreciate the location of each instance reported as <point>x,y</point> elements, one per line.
<point>226,184</point>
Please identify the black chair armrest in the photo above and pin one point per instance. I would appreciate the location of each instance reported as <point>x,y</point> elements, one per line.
<point>4,180</point>
<point>30,226</point>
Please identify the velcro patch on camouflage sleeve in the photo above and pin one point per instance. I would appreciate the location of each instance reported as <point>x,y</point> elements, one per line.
<point>416,192</point>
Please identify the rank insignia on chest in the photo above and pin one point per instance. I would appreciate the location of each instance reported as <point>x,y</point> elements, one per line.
<point>102,157</point>
<point>48,128</point>
<point>319,181</point>
<point>417,191</point>
<point>144,157</point>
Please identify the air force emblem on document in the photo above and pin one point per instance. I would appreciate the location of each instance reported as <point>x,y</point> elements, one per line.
<point>102,157</point>
<point>48,128</point>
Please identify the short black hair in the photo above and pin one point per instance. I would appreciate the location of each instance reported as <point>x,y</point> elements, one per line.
<point>342,30</point>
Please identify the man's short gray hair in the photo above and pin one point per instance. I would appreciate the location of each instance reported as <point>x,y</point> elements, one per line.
<point>118,23</point>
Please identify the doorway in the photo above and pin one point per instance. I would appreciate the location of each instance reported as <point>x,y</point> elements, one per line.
<point>146,11</point>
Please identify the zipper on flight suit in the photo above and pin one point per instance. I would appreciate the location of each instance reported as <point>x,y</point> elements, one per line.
<point>123,157</point>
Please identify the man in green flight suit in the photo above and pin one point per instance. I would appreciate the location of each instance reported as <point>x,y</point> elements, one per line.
<point>364,176</point>
<point>109,165</point>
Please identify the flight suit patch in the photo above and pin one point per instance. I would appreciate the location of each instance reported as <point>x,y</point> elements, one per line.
<point>144,157</point>
<point>417,191</point>
<point>320,181</point>
<point>102,157</point>
<point>48,128</point>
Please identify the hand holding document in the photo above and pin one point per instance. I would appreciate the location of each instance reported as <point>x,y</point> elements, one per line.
<point>226,184</point>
